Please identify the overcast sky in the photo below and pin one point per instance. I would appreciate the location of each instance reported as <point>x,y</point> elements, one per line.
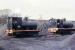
<point>45,8</point>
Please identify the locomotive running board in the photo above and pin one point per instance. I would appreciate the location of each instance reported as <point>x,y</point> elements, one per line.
<point>57,29</point>
<point>26,30</point>
<point>12,31</point>
<point>69,29</point>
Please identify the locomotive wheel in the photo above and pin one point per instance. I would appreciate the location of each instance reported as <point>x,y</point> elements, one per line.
<point>10,34</point>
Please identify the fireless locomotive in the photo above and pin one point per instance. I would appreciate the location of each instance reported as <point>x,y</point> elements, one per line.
<point>16,27</point>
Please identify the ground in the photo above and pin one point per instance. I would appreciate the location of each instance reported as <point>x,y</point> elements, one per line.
<point>9,43</point>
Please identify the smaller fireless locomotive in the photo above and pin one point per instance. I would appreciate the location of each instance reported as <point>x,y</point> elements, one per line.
<point>63,27</point>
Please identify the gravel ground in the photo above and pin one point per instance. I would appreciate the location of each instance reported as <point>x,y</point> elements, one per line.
<point>32,43</point>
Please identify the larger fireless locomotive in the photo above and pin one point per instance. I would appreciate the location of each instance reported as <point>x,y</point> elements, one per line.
<point>16,27</point>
